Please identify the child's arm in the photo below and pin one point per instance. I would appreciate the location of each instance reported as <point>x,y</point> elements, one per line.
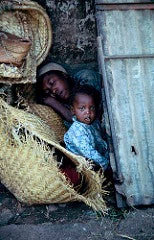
<point>58,107</point>
<point>87,150</point>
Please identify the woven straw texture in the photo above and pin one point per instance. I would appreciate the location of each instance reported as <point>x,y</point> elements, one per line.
<point>52,119</point>
<point>28,164</point>
<point>25,19</point>
<point>13,50</point>
<point>25,94</point>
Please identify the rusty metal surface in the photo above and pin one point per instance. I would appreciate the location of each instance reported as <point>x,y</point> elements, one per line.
<point>126,60</point>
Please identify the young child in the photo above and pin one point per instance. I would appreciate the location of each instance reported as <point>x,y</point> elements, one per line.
<point>54,87</point>
<point>84,137</point>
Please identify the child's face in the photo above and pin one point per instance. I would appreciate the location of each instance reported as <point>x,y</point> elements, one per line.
<point>55,86</point>
<point>84,108</point>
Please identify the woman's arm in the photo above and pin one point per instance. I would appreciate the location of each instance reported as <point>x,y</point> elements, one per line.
<point>59,107</point>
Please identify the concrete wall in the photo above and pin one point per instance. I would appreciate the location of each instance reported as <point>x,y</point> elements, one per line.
<point>74,32</point>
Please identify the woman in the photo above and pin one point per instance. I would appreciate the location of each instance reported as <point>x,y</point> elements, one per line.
<point>54,87</point>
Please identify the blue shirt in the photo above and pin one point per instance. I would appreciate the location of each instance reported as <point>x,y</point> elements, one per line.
<point>86,140</point>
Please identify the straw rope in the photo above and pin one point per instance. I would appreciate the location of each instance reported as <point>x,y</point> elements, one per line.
<point>28,164</point>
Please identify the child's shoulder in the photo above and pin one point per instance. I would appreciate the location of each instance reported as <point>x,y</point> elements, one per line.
<point>78,127</point>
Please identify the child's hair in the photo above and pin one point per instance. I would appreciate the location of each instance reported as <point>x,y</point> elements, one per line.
<point>88,90</point>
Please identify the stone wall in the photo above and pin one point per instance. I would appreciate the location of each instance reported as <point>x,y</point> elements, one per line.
<point>74,32</point>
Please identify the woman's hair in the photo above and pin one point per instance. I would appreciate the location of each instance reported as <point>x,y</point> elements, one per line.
<point>39,83</point>
<point>88,90</point>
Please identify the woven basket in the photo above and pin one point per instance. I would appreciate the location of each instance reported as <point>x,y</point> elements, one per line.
<point>53,120</point>
<point>25,94</point>
<point>28,20</point>
<point>13,50</point>
<point>28,165</point>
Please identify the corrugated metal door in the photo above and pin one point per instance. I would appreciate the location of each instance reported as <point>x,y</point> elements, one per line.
<point>126,60</point>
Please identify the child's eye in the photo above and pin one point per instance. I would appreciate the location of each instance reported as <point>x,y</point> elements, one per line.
<point>92,108</point>
<point>82,108</point>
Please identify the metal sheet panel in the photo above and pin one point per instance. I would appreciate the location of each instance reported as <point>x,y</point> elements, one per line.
<point>121,1</point>
<point>126,58</point>
<point>127,32</point>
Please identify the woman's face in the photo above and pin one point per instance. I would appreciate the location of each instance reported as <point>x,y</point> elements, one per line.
<point>54,86</point>
<point>84,108</point>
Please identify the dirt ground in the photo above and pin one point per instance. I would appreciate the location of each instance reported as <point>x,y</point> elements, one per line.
<point>72,221</point>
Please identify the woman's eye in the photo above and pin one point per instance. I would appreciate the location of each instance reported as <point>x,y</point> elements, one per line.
<point>51,83</point>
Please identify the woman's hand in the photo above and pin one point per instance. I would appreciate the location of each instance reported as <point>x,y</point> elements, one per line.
<point>48,100</point>
<point>59,107</point>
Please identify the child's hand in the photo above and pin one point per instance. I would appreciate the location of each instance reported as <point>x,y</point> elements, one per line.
<point>96,167</point>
